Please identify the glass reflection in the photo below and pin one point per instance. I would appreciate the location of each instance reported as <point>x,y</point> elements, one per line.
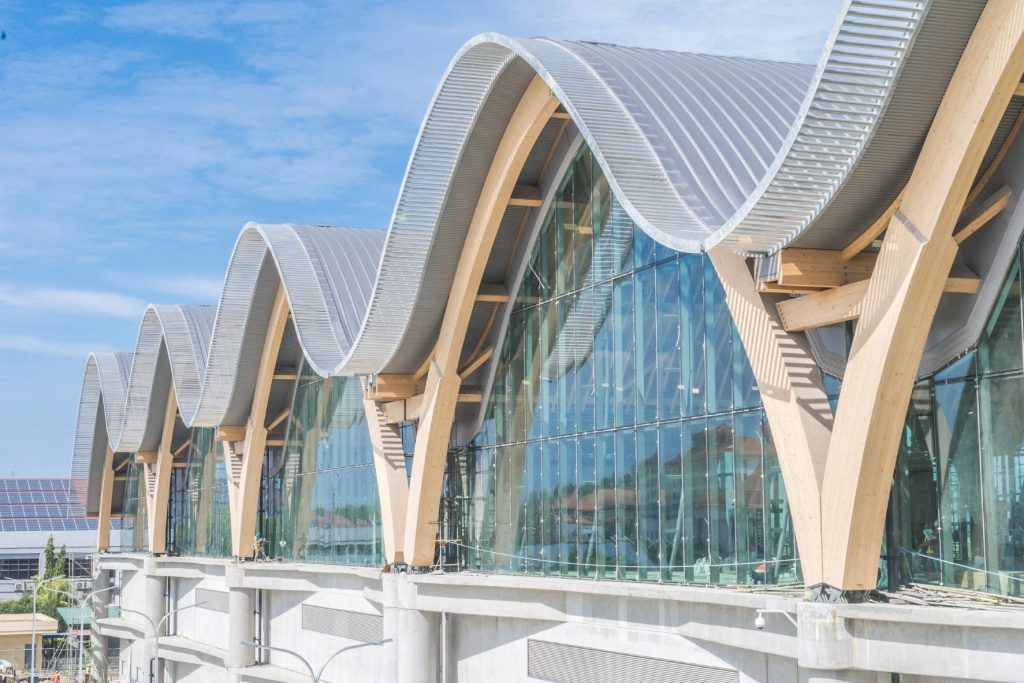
<point>611,446</point>
<point>198,522</point>
<point>320,501</point>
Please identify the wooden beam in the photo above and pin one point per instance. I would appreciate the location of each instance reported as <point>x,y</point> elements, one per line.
<point>903,295</point>
<point>231,433</point>
<point>390,387</point>
<point>864,240</point>
<point>846,303</point>
<point>274,442</point>
<point>474,364</point>
<point>822,268</point>
<point>441,394</point>
<point>492,293</point>
<point>793,396</point>
<point>560,114</point>
<point>392,482</point>
<point>980,217</point>
<point>526,195</point>
<point>106,498</point>
<point>244,466</point>
<point>146,457</point>
<point>158,479</point>
<point>410,409</point>
<point>279,419</point>
<point>776,288</point>
<point>181,449</point>
<point>470,395</point>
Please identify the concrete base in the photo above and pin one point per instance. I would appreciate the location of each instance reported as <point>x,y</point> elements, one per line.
<point>513,628</point>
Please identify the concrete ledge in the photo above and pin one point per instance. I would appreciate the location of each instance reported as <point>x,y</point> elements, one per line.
<point>269,672</point>
<point>131,562</point>
<point>303,577</point>
<point>752,598</point>
<point>191,567</point>
<point>118,627</point>
<point>182,649</point>
<point>946,642</point>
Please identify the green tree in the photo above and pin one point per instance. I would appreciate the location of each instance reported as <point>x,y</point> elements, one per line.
<point>52,595</point>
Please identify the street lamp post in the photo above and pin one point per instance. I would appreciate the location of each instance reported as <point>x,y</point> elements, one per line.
<point>314,677</point>
<point>81,607</point>
<point>156,632</point>
<point>35,595</point>
<point>81,639</point>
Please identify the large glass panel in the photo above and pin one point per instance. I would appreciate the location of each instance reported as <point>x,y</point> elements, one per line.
<point>669,341</point>
<point>1000,346</point>
<point>646,336</point>
<point>327,509</point>
<point>750,528</point>
<point>134,536</point>
<point>625,359</point>
<point>200,522</point>
<point>611,444</point>
<point>962,530</point>
<point>1002,449</point>
<point>717,345</point>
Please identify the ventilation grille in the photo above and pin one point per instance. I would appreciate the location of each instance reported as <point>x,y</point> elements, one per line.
<point>215,601</point>
<point>366,628</point>
<point>571,664</point>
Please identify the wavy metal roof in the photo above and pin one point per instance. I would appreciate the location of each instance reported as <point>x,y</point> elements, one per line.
<point>698,149</point>
<point>209,354</point>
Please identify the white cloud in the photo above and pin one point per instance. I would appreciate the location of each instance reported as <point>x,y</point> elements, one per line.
<point>189,288</point>
<point>74,301</point>
<point>47,347</point>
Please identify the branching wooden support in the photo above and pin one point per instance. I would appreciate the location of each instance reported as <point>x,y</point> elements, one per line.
<point>846,303</point>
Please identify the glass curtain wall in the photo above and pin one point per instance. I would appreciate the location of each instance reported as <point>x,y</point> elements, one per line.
<point>320,501</point>
<point>134,536</point>
<point>959,512</point>
<point>199,522</point>
<point>623,436</point>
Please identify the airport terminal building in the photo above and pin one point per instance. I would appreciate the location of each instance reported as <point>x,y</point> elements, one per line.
<point>668,367</point>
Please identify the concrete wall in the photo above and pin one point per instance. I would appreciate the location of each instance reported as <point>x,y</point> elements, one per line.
<point>491,628</point>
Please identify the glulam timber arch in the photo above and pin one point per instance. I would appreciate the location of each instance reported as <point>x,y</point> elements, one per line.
<point>443,382</point>
<point>853,460</point>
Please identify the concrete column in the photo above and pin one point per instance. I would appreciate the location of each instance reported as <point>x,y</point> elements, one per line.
<point>153,603</point>
<point>417,633</point>
<point>99,611</point>
<point>241,627</point>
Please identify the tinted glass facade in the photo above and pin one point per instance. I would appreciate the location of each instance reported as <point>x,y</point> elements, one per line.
<point>198,516</point>
<point>623,436</point>
<point>134,536</point>
<point>319,501</point>
<point>959,513</point>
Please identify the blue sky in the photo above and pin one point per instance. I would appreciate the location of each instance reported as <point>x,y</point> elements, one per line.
<point>136,140</point>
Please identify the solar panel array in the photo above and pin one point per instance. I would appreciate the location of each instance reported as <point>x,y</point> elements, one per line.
<point>41,505</point>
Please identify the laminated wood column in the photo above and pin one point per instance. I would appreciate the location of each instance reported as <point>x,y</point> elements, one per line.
<point>106,498</point>
<point>793,397</point>
<point>392,483</point>
<point>245,464</point>
<point>902,297</point>
<point>158,480</point>
<point>443,382</point>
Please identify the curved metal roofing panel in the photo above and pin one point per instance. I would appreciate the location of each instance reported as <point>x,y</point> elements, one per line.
<point>327,274</point>
<point>171,350</point>
<point>100,412</point>
<point>698,149</point>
